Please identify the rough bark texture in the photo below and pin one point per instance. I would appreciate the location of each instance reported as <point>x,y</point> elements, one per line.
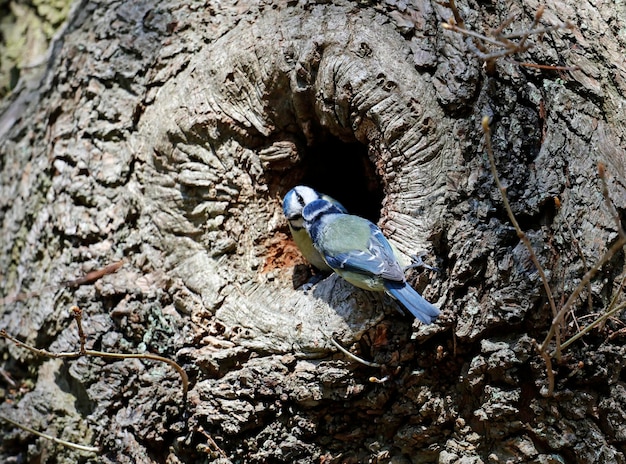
<point>165,135</point>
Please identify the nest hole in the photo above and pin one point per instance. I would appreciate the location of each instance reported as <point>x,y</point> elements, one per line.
<point>345,172</point>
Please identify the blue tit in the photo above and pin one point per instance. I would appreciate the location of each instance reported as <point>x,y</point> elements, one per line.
<point>357,250</point>
<point>294,202</point>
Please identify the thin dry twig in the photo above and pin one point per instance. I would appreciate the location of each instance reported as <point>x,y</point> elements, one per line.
<point>7,378</point>
<point>69,444</point>
<point>532,30</point>
<point>497,32</point>
<point>606,257</point>
<point>455,12</point>
<point>212,443</point>
<point>579,250</point>
<point>78,316</point>
<point>88,278</point>
<point>549,372</point>
<point>504,44</point>
<point>548,67</point>
<point>607,200</point>
<point>92,276</point>
<point>475,35</point>
<point>556,322</point>
<point>520,233</point>
<point>595,323</point>
<point>524,238</point>
<point>350,355</point>
<point>101,354</point>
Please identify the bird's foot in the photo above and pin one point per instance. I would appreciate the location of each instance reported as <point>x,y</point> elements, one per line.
<point>315,278</point>
<point>418,262</point>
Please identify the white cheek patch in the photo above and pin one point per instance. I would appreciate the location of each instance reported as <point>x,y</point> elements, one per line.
<point>297,223</point>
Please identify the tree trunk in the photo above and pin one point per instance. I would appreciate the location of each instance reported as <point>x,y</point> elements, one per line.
<point>165,134</point>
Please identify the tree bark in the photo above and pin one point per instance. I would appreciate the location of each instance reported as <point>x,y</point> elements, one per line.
<point>165,135</point>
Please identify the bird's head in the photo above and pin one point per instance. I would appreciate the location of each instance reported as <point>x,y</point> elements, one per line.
<point>296,199</point>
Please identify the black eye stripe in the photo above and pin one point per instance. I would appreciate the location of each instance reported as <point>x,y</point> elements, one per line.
<point>300,200</point>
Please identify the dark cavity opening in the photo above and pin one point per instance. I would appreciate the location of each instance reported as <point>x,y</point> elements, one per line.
<point>345,172</point>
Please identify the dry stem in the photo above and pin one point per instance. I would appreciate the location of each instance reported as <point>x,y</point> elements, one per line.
<point>505,44</point>
<point>615,248</point>
<point>520,233</point>
<point>101,354</point>
<point>69,444</point>
<point>350,355</point>
<point>524,238</point>
<point>88,278</point>
<point>77,313</point>
<point>558,316</point>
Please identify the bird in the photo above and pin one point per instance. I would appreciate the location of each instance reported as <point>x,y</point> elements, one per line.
<point>293,203</point>
<point>357,251</point>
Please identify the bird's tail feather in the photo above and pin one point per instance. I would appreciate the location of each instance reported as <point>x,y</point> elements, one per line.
<point>413,301</point>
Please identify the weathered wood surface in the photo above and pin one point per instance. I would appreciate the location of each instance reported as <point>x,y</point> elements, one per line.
<point>165,134</point>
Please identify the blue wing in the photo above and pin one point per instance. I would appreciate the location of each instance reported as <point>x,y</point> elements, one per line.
<point>376,258</point>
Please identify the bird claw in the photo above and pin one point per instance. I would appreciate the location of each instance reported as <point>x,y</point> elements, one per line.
<point>418,262</point>
<point>315,278</point>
